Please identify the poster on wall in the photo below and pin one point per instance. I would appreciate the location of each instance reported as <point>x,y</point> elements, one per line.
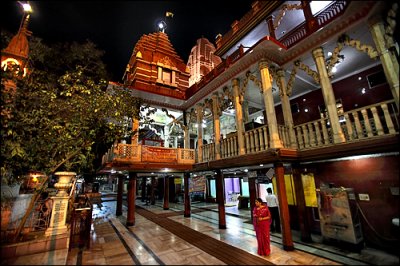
<point>289,187</point>
<point>338,220</point>
<point>310,192</point>
<point>197,184</point>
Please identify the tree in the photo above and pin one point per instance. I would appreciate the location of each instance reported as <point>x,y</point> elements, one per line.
<point>62,111</point>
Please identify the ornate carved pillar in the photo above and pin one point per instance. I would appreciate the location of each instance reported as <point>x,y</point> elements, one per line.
<point>166,136</point>
<point>284,93</point>
<point>220,199</point>
<point>135,129</point>
<point>186,143</point>
<point>287,240</point>
<point>199,113</point>
<point>389,61</point>
<point>266,81</point>
<point>238,115</point>
<point>60,204</point>
<point>217,131</point>
<point>130,219</point>
<point>186,177</point>
<point>329,96</point>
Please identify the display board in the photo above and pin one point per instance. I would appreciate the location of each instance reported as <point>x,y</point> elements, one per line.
<point>338,215</point>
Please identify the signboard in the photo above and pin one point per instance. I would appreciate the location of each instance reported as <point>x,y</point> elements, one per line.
<point>310,192</point>
<point>197,184</point>
<point>161,155</point>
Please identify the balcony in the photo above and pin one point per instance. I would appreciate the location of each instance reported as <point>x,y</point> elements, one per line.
<point>366,127</point>
<point>143,157</point>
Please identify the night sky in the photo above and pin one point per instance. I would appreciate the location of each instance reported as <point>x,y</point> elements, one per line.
<point>116,26</point>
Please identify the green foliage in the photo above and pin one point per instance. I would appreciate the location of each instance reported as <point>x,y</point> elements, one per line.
<point>63,111</point>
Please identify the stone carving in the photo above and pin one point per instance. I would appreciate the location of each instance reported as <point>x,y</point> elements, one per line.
<point>345,39</point>
<point>166,61</point>
<point>290,83</point>
<point>391,26</point>
<point>174,120</point>
<point>282,13</point>
<point>307,69</point>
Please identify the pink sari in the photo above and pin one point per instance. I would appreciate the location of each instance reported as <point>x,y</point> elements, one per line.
<point>262,230</point>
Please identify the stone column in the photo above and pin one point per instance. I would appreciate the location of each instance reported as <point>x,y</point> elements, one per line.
<point>287,112</point>
<point>388,60</point>
<point>120,191</point>
<point>283,207</point>
<point>186,143</point>
<point>238,116</point>
<point>166,193</point>
<point>131,199</point>
<point>186,195</point>
<point>199,113</point>
<point>266,81</point>
<point>60,204</point>
<point>135,128</point>
<point>219,180</point>
<point>217,130</point>
<point>166,136</point>
<point>329,96</point>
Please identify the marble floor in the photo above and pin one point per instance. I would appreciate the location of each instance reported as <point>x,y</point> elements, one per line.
<point>148,243</point>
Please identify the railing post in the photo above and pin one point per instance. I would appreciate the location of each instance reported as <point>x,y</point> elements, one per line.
<point>367,124</point>
<point>388,119</point>
<point>360,133</point>
<point>377,121</point>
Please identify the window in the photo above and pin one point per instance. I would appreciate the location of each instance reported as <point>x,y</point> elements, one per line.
<point>376,79</point>
<point>166,76</point>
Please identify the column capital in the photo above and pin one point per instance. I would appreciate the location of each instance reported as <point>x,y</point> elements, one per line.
<point>263,64</point>
<point>318,52</point>
<point>235,82</point>
<point>377,19</point>
<point>280,73</point>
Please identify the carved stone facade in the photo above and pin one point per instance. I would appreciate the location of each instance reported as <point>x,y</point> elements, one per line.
<point>155,67</point>
<point>201,60</point>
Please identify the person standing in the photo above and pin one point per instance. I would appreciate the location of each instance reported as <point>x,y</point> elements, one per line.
<point>261,222</point>
<point>273,206</point>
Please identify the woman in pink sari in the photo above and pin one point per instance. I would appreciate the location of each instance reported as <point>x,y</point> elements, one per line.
<point>261,222</point>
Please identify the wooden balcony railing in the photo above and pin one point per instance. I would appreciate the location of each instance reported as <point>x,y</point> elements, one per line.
<point>372,121</point>
<point>148,154</point>
<point>368,122</point>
